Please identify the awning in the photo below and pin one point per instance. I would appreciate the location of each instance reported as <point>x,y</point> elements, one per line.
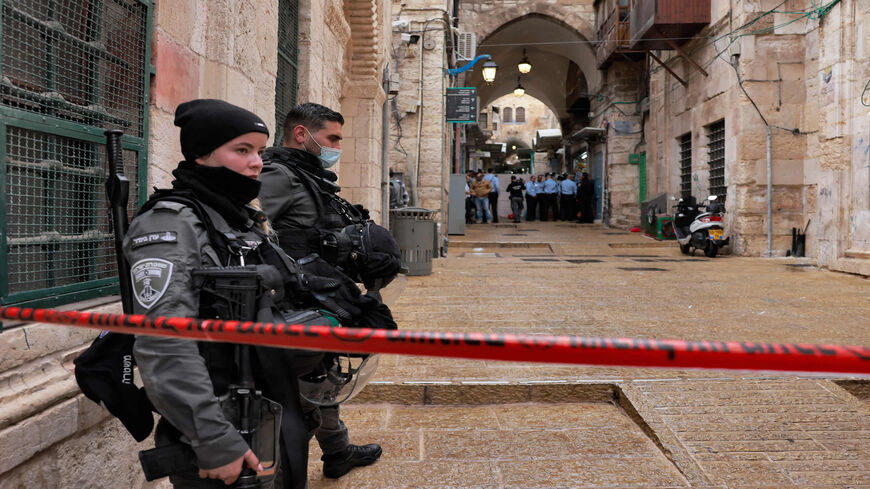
<point>548,138</point>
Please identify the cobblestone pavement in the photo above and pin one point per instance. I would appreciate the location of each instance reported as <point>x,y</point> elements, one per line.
<point>467,423</point>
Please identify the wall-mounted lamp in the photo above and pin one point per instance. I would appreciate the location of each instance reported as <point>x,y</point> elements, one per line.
<point>524,66</point>
<point>489,69</point>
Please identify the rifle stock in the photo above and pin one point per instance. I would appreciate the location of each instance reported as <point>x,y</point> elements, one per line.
<point>118,195</point>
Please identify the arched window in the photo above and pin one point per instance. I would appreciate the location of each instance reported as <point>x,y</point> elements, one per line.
<point>507,115</point>
<point>521,114</point>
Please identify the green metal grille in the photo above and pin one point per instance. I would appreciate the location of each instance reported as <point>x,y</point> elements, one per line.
<point>70,70</point>
<point>288,57</point>
<point>716,153</point>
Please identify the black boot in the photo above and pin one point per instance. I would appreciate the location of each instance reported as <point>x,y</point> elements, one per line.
<point>336,465</point>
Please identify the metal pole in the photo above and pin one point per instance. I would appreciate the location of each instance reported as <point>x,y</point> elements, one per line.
<point>385,140</point>
<point>769,198</point>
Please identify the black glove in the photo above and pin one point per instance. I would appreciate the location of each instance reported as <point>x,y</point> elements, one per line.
<point>363,212</point>
<point>376,315</point>
<point>376,265</point>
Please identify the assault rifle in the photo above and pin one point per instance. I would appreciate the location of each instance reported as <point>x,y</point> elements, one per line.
<point>234,292</point>
<point>230,293</point>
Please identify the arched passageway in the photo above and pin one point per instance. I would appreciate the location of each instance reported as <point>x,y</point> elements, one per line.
<point>563,65</point>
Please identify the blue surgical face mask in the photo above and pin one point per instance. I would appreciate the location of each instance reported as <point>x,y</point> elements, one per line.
<point>328,156</point>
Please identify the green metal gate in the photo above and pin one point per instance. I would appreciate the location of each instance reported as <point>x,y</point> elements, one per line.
<point>70,70</point>
<point>288,58</point>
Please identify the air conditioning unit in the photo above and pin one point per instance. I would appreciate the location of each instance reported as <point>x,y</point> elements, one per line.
<point>466,47</point>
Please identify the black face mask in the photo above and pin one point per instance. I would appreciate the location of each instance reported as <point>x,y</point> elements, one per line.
<point>225,190</point>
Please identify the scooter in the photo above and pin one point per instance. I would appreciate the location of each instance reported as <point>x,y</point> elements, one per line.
<point>697,230</point>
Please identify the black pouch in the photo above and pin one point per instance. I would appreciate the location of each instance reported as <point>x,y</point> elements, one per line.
<point>104,373</point>
<point>160,462</point>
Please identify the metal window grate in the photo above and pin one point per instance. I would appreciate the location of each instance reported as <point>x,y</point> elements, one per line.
<point>686,165</point>
<point>288,57</point>
<point>70,70</point>
<point>521,114</point>
<point>716,154</point>
<point>76,60</point>
<point>507,115</point>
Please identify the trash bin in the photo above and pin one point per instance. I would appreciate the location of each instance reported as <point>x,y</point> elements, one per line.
<point>414,230</point>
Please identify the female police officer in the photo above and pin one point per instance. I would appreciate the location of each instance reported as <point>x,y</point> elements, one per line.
<point>222,145</point>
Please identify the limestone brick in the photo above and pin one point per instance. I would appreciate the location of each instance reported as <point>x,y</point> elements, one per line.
<point>219,33</point>
<point>173,16</point>
<point>214,79</point>
<point>350,175</point>
<point>178,78</point>
<point>240,91</point>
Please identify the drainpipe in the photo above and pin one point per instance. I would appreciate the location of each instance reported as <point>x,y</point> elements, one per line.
<point>769,198</point>
<point>385,140</point>
<point>605,192</point>
<point>415,199</point>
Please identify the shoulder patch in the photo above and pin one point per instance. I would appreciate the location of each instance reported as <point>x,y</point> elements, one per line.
<point>150,280</point>
<point>153,238</point>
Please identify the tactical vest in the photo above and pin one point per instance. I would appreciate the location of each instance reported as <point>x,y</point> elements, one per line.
<point>333,214</point>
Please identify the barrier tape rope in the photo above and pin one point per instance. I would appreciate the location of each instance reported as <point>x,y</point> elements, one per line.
<point>630,352</point>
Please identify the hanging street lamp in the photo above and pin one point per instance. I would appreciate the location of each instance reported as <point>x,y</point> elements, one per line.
<point>519,91</point>
<point>524,66</point>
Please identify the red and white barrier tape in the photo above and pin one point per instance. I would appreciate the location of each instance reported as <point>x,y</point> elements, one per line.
<point>508,347</point>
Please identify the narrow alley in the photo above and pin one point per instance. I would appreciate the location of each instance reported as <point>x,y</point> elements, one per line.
<point>466,423</point>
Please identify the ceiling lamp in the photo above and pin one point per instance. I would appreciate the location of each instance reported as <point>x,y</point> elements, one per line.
<point>489,69</point>
<point>524,66</point>
<point>519,91</point>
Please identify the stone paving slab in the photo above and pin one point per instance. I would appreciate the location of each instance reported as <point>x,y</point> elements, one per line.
<point>530,445</point>
<point>775,433</point>
<point>489,424</point>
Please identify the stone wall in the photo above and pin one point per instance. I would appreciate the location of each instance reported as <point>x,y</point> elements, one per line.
<point>617,107</point>
<point>423,161</point>
<point>838,152</point>
<point>806,81</point>
<point>537,116</point>
<point>50,434</point>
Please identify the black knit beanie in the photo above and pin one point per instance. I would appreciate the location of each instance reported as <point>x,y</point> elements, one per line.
<point>207,123</point>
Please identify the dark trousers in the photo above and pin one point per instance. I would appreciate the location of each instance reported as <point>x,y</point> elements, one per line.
<point>493,205</point>
<point>469,210</point>
<point>567,208</point>
<point>546,202</point>
<point>531,207</point>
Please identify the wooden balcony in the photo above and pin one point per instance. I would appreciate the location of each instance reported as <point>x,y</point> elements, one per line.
<point>614,37</point>
<point>664,24</point>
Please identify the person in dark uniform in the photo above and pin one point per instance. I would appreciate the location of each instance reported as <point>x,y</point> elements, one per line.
<point>214,225</point>
<point>586,199</point>
<point>299,195</point>
<point>515,193</point>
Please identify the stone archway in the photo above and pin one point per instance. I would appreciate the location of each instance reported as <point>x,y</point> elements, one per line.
<point>564,69</point>
<point>570,32</point>
<point>361,100</point>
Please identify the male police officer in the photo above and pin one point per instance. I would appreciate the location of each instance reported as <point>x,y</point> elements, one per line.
<point>298,194</point>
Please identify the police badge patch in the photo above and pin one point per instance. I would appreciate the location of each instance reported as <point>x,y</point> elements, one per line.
<point>150,280</point>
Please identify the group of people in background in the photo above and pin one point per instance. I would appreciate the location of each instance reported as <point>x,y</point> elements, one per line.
<point>547,196</point>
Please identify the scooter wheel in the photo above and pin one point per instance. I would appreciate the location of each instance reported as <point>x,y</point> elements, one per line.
<point>684,248</point>
<point>711,249</point>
